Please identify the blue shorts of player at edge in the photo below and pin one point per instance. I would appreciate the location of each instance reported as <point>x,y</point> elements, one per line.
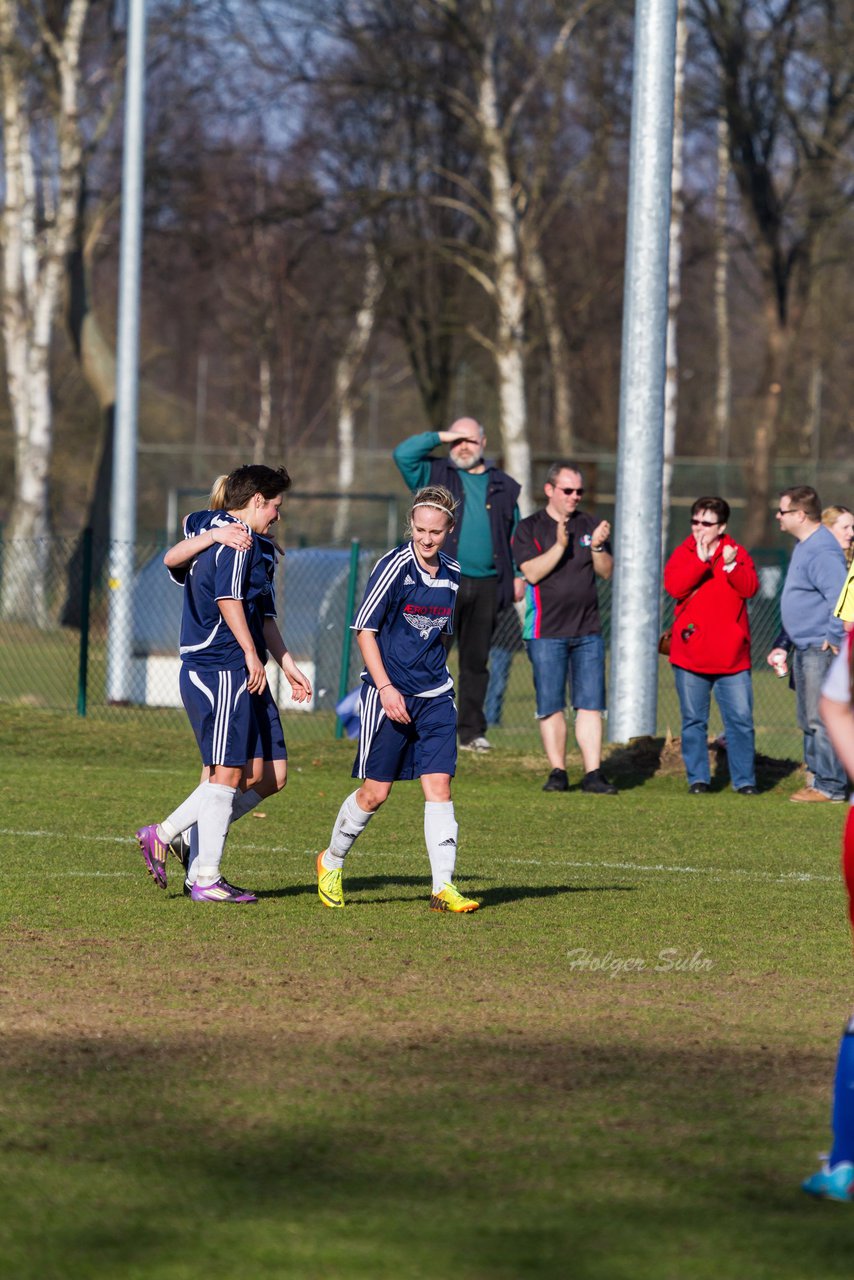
<point>392,752</point>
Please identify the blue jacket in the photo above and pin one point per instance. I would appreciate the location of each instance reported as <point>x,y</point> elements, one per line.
<point>814,580</point>
<point>418,469</point>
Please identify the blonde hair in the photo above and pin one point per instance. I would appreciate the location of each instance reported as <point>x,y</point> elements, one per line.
<point>433,495</point>
<point>216,502</point>
<point>829,517</point>
<point>831,514</point>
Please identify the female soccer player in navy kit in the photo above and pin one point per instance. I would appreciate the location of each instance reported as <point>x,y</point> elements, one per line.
<point>408,716</point>
<point>228,626</point>
<point>835,1180</point>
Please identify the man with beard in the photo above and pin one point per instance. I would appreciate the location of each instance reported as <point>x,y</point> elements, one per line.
<point>487,515</point>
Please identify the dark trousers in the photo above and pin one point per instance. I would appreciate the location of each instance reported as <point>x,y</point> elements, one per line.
<point>474,621</point>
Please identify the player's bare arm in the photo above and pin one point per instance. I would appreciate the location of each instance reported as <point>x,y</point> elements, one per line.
<point>230,535</point>
<point>299,682</point>
<point>392,701</point>
<point>235,620</point>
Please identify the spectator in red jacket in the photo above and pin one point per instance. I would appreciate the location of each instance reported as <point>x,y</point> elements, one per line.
<point>711,578</point>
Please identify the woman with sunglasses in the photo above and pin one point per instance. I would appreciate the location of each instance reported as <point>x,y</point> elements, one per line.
<point>711,578</point>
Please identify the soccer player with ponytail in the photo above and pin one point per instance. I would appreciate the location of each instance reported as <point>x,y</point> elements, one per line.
<point>408,716</point>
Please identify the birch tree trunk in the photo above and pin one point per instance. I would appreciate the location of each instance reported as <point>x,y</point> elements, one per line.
<point>38,222</point>
<point>509,283</point>
<point>674,274</point>
<point>723,380</point>
<point>345,377</point>
<point>558,349</point>
<point>265,409</point>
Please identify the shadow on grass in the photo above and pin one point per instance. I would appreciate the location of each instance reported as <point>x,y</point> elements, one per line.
<point>305,1156</point>
<point>489,897</point>
<point>643,758</point>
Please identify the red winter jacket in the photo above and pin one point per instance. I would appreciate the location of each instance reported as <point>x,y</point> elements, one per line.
<point>711,629</point>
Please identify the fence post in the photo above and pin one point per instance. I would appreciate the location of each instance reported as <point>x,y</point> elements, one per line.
<point>347,639</point>
<point>85,595</point>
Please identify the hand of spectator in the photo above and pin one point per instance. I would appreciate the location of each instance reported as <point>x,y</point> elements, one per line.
<point>834,648</point>
<point>777,657</point>
<point>728,554</point>
<point>600,534</point>
<point>454,435</point>
<point>518,589</point>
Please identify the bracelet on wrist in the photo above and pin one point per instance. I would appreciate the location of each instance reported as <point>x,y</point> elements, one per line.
<point>384,686</point>
<point>597,548</point>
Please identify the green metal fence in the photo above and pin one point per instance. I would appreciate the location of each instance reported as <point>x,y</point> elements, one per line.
<point>53,647</point>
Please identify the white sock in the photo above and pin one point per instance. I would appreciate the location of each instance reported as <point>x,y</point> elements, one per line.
<point>183,817</point>
<point>193,860</point>
<point>440,832</point>
<point>244,802</point>
<point>214,821</point>
<point>349,825</point>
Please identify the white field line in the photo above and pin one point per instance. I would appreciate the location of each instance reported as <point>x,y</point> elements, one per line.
<point>658,868</point>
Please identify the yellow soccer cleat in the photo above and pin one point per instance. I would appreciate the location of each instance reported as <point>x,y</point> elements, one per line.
<point>450,899</point>
<point>329,887</point>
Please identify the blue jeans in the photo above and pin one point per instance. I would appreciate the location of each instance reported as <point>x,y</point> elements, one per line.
<point>500,662</point>
<point>582,658</point>
<point>809,667</point>
<point>734,696</point>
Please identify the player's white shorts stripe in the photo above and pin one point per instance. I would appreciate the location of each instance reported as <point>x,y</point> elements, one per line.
<point>221,716</point>
<point>372,717</point>
<point>200,684</point>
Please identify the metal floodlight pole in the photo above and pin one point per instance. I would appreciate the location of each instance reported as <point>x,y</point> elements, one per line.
<point>637,516</point>
<point>123,505</point>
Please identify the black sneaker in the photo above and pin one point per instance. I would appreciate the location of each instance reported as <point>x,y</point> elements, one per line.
<point>747,791</point>
<point>557,781</point>
<point>595,783</point>
<point>698,788</point>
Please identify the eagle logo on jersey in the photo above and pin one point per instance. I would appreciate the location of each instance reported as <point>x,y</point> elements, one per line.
<point>425,619</point>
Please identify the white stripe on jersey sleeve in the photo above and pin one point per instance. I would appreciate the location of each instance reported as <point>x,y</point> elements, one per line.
<point>386,577</point>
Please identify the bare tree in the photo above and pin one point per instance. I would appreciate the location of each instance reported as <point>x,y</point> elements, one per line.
<point>40,46</point>
<point>787,84</point>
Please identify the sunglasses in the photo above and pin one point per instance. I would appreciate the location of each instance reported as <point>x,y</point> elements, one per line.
<point>561,489</point>
<point>707,524</point>
<point>790,511</point>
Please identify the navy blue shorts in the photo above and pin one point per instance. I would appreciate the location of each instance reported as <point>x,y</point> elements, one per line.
<point>268,742</point>
<point>392,752</point>
<point>220,712</point>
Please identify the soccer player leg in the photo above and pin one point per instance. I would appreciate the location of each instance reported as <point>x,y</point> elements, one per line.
<point>224,739</point>
<point>435,762</point>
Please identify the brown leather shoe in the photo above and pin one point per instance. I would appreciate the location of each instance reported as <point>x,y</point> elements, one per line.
<point>809,795</point>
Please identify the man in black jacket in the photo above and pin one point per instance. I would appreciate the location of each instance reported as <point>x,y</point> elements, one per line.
<point>487,515</point>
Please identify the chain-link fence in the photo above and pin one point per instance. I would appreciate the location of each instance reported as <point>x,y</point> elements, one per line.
<point>55,639</point>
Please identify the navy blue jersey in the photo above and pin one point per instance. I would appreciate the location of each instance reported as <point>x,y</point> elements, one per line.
<point>410,611</point>
<point>221,573</point>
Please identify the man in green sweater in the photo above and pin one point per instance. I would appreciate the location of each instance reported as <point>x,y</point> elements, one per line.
<point>487,515</point>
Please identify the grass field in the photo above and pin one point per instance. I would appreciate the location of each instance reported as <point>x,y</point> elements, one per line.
<point>618,1069</point>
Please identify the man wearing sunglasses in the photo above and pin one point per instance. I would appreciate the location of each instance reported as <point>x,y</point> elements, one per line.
<point>486,516</point>
<point>711,578</point>
<point>560,550</point>
<point>814,580</point>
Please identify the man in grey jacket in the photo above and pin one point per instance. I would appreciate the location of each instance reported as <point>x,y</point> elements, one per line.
<point>813,582</point>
